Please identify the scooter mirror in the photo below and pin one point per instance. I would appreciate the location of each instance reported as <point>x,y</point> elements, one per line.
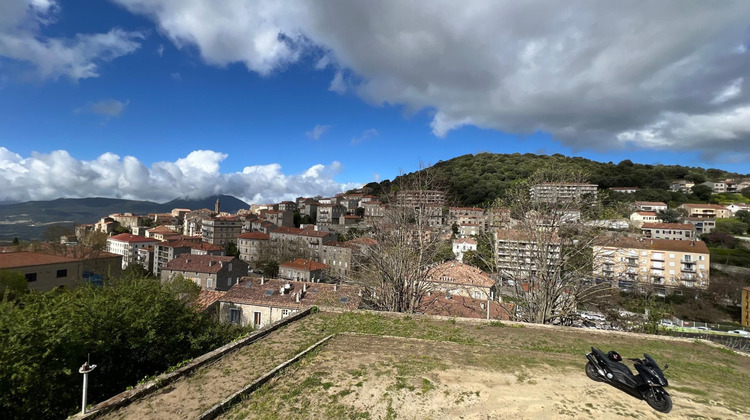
<point>666,366</point>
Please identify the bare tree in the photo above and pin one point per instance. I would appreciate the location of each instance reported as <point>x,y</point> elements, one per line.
<point>545,252</point>
<point>392,271</point>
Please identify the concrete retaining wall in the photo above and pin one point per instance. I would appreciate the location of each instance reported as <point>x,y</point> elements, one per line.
<point>125,398</point>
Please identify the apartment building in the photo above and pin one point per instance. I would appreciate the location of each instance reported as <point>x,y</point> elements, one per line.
<point>289,206</point>
<point>653,206</point>
<point>520,254</point>
<point>329,214</point>
<point>420,197</point>
<point>625,190</point>
<point>462,245</point>
<point>45,271</point>
<point>717,187</point>
<point>252,246</point>
<point>674,231</point>
<point>551,192</point>
<point>167,251</point>
<point>286,241</point>
<point>302,270</point>
<point>280,217</point>
<point>660,263</point>
<point>706,211</point>
<point>701,225</point>
<point>682,185</point>
<point>210,272</point>
<point>127,245</point>
<point>640,217</point>
<point>221,230</point>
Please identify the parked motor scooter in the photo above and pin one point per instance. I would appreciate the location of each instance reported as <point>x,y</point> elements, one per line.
<point>648,384</point>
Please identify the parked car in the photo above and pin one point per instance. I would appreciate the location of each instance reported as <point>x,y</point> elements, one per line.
<point>667,323</point>
<point>703,328</point>
<point>740,332</point>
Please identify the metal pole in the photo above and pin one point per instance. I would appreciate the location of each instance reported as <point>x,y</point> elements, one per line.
<point>85,391</point>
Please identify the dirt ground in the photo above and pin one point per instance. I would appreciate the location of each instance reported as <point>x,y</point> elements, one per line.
<point>375,377</point>
<point>189,397</point>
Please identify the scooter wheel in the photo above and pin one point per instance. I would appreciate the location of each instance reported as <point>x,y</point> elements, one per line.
<point>659,401</point>
<point>592,373</point>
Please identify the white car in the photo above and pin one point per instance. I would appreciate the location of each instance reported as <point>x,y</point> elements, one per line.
<point>667,323</point>
<point>740,332</point>
<point>703,328</point>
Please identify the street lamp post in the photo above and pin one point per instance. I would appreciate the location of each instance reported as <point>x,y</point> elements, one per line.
<point>85,370</point>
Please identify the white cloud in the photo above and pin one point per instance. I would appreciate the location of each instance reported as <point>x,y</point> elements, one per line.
<point>176,76</point>
<point>586,72</point>
<point>160,50</point>
<point>106,108</point>
<point>367,134</point>
<point>77,58</point>
<point>57,174</point>
<point>317,131</point>
<point>732,91</point>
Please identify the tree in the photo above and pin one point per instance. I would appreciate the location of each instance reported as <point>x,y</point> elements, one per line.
<point>394,270</point>
<point>359,211</point>
<point>16,242</point>
<point>670,216</point>
<point>232,250</point>
<point>743,216</point>
<point>745,192</point>
<point>731,226</point>
<point>12,284</point>
<point>269,268</point>
<point>702,192</point>
<point>547,253</point>
<point>297,218</point>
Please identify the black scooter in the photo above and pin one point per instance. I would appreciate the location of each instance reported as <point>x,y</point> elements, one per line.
<point>648,384</point>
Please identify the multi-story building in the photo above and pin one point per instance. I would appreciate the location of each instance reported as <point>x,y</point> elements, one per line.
<point>625,190</point>
<point>373,209</point>
<point>167,251</point>
<point>289,206</point>
<point>654,206</point>
<point>641,217</point>
<point>674,231</point>
<point>420,197</point>
<point>682,185</point>
<point>717,187</point>
<point>252,246</point>
<point>338,257</point>
<point>221,230</point>
<point>210,272</point>
<point>659,263</point>
<point>308,243</point>
<point>701,225</point>
<point>550,192</point>
<point>45,271</point>
<point>329,214</point>
<point>706,211</point>
<point>470,229</point>
<point>465,215</point>
<point>519,255</point>
<point>461,245</point>
<point>302,270</point>
<point>280,217</point>
<point>127,245</point>
<point>129,220</point>
<point>106,225</point>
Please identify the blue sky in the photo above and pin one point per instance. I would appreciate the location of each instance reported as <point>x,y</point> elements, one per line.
<point>173,78</point>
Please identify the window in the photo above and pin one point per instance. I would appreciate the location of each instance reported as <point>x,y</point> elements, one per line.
<point>62,273</point>
<point>30,277</point>
<point>285,313</point>
<point>229,282</point>
<point>671,255</point>
<point>234,315</point>
<point>257,319</point>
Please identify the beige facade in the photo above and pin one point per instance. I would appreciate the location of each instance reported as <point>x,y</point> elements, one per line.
<point>45,272</point>
<point>517,253</point>
<point>210,272</point>
<point>674,231</point>
<point>221,230</point>
<point>706,211</point>
<point>659,263</point>
<point>745,307</point>
<point>556,192</point>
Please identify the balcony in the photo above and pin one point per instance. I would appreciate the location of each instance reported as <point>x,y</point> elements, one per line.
<point>688,268</point>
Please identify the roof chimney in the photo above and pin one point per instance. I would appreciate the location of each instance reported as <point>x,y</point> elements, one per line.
<point>262,280</point>
<point>335,287</point>
<point>281,290</point>
<point>211,263</point>
<point>304,287</point>
<point>297,296</point>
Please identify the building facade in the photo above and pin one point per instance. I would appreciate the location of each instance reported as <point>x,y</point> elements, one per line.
<point>674,231</point>
<point>209,272</point>
<point>127,245</point>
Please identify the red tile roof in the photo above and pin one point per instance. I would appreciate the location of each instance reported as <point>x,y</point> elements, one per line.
<point>303,264</point>
<point>650,203</point>
<point>127,237</point>
<point>255,235</point>
<point>463,307</point>
<point>454,272</point>
<point>205,246</point>
<point>249,291</point>
<point>207,298</point>
<point>699,247</point>
<point>646,213</point>
<point>301,232</point>
<point>704,206</point>
<point>677,226</point>
<point>19,259</point>
<point>199,263</point>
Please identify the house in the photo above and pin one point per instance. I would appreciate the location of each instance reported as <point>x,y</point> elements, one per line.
<point>551,192</point>
<point>682,185</point>
<point>701,225</point>
<point>464,307</point>
<point>653,206</point>
<point>280,217</point>
<point>259,302</point>
<point>706,211</point>
<point>624,190</point>
<point>299,242</point>
<point>106,225</point>
<point>44,271</point>
<point>329,214</point>
<point>675,231</point>
<point>221,230</point>
<point>252,245</point>
<point>734,208</point>
<point>210,272</point>
<point>461,245</point>
<point>640,217</point>
<point>302,270</point>
<point>161,233</point>
<point>717,187</point>
<point>470,229</point>
<point>457,279</point>
<point>167,251</point>
<point>661,264</point>
<point>126,244</point>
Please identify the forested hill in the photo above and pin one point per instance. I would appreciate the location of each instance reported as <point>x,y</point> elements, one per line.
<point>477,179</point>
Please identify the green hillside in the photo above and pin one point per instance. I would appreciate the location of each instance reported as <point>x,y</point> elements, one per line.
<point>476,179</point>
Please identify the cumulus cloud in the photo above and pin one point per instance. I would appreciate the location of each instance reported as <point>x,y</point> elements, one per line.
<point>58,174</point>
<point>367,134</point>
<point>317,131</point>
<point>21,23</point>
<point>106,108</point>
<point>587,72</point>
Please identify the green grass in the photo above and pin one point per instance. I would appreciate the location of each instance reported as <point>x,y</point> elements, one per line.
<point>738,256</point>
<point>729,198</point>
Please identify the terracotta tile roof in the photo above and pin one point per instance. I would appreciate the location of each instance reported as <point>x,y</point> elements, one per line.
<point>161,229</point>
<point>646,213</point>
<point>255,235</point>
<point>249,291</point>
<point>463,307</point>
<point>704,206</point>
<point>699,247</point>
<point>362,241</point>
<point>205,246</point>
<point>351,217</point>
<point>207,298</point>
<point>650,203</point>
<point>677,226</point>
<point>199,263</point>
<point>301,232</point>
<point>127,237</point>
<point>454,272</point>
<point>19,259</point>
<point>465,241</point>
<point>303,264</point>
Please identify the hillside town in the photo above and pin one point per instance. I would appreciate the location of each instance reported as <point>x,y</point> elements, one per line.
<point>264,263</point>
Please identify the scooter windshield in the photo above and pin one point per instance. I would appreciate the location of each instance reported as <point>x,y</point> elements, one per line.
<point>650,360</point>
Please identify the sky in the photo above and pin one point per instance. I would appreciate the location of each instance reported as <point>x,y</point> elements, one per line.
<point>269,100</point>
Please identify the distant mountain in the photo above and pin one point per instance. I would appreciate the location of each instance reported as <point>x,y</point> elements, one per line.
<point>28,220</point>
